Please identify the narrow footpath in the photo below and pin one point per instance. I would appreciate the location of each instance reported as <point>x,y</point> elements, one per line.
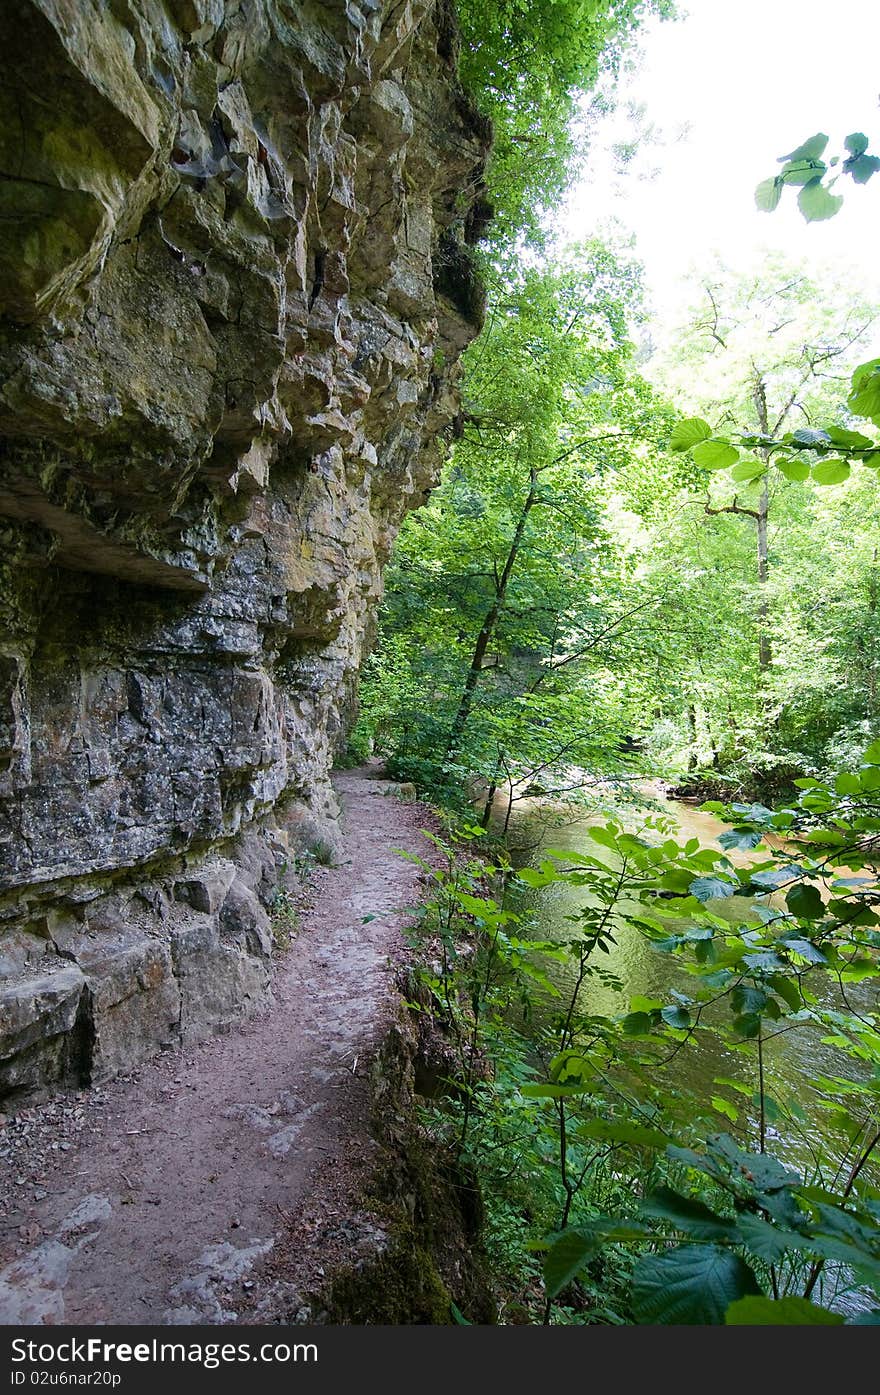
<point>166,1196</point>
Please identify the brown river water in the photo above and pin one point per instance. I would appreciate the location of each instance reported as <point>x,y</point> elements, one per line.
<point>793,1060</point>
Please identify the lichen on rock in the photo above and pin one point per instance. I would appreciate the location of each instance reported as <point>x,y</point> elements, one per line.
<point>234,287</point>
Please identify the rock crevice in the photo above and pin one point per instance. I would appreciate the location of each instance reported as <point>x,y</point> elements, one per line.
<point>234,287</point>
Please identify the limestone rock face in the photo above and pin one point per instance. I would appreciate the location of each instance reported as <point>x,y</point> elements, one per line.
<point>233,292</point>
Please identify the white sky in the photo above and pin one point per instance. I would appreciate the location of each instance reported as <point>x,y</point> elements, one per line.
<point>730,87</point>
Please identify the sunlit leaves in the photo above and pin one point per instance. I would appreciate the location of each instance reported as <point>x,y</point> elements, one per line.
<point>864,400</point>
<point>768,194</point>
<point>831,471</point>
<point>807,170</point>
<point>810,151</point>
<point>817,203</point>
<point>688,433</point>
<point>715,455</point>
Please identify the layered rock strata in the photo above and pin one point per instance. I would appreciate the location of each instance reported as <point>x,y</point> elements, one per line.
<point>234,287</point>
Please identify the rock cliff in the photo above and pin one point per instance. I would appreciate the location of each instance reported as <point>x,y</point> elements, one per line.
<point>234,286</point>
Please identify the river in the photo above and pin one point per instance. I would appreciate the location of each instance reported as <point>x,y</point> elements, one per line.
<point>793,1060</point>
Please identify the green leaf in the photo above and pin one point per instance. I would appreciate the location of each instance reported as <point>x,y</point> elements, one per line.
<point>725,1107</point>
<point>864,400</point>
<point>748,1025</point>
<point>554,1092</point>
<point>458,1316</point>
<point>622,1131</point>
<point>766,1241</point>
<point>677,1017</point>
<point>847,783</point>
<point>715,455</point>
<point>805,902</point>
<point>804,948</point>
<point>713,888</point>
<point>811,149</point>
<point>748,470</point>
<point>742,838</point>
<point>636,1024</point>
<point>779,1312</point>
<point>809,436</point>
<point>816,203</point>
<point>856,143</point>
<point>768,194</point>
<point>746,998</point>
<point>849,440</point>
<point>863,167</point>
<point>691,1284</point>
<point>688,1214</point>
<point>604,836</point>
<point>872,754</point>
<point>794,470</point>
<point>802,171</point>
<point>567,1256</point>
<point>689,433</point>
<point>787,990</point>
<point>831,471</point>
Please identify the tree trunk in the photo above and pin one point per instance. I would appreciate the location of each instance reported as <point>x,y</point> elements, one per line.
<point>487,629</point>
<point>765,653</point>
<point>763,512</point>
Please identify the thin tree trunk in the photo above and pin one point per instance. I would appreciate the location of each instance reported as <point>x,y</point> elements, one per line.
<point>487,629</point>
<point>871,705</point>
<point>764,650</point>
<point>765,654</point>
<point>692,724</point>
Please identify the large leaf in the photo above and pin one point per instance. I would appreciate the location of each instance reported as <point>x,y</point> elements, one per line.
<point>794,470</point>
<point>689,433</point>
<point>768,194</point>
<point>715,455</point>
<point>757,1311</point>
<point>713,888</point>
<point>555,1092</point>
<point>831,471</point>
<point>747,470</point>
<point>687,1214</point>
<point>864,400</point>
<point>856,143</point>
<point>691,1284</point>
<point>809,436</point>
<point>766,1241</point>
<point>743,838</point>
<point>677,1017</point>
<point>863,167</point>
<point>805,902</point>
<point>811,149</point>
<point>567,1256</point>
<point>849,440</point>
<point>622,1131</point>
<point>816,203</point>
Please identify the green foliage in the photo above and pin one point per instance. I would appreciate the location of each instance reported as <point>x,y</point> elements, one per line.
<point>815,177</point>
<point>508,593</point>
<point>727,1232</point>
<point>528,66</point>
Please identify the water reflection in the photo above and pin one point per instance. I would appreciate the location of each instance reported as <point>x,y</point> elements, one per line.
<point>793,1059</point>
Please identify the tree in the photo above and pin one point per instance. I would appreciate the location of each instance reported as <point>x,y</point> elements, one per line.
<point>510,585</point>
<point>772,355</point>
<point>529,65</point>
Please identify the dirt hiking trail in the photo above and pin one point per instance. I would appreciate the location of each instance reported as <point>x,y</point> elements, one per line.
<point>161,1196</point>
